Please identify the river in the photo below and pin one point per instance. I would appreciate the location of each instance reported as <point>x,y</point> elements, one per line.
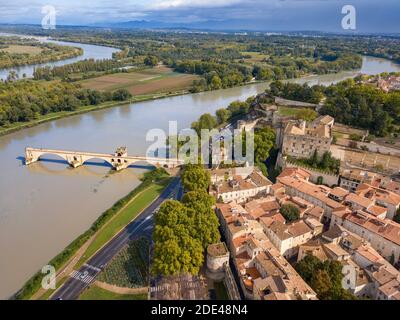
<point>89,52</point>
<point>45,206</point>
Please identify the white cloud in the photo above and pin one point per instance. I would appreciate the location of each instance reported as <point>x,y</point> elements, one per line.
<point>170,4</point>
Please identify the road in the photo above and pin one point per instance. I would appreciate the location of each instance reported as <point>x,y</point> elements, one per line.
<point>141,226</point>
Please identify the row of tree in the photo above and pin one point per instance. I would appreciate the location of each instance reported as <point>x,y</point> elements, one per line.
<point>27,100</point>
<point>183,230</point>
<point>327,162</point>
<point>84,66</point>
<point>297,92</point>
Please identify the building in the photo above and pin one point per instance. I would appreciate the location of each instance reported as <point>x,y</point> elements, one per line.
<point>368,274</point>
<point>264,273</point>
<point>350,179</point>
<point>383,198</point>
<point>217,261</point>
<point>384,278</point>
<point>288,237</point>
<point>382,234</point>
<point>318,195</point>
<point>302,139</point>
<point>229,187</point>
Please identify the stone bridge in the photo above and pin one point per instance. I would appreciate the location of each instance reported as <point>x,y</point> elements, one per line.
<point>119,160</point>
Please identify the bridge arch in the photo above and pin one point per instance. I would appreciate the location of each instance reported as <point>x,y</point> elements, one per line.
<point>105,160</point>
<point>42,156</point>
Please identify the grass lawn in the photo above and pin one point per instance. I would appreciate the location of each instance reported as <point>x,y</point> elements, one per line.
<point>96,293</point>
<point>287,111</point>
<point>49,292</point>
<point>142,82</point>
<point>123,218</point>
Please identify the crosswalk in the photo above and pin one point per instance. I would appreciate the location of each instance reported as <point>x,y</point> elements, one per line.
<point>86,278</point>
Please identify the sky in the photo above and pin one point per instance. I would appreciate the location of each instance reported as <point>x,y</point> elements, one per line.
<point>380,16</point>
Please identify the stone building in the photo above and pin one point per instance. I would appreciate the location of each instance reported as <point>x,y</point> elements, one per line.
<point>217,260</point>
<point>301,139</point>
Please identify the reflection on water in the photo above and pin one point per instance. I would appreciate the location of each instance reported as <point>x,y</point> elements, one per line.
<point>43,207</point>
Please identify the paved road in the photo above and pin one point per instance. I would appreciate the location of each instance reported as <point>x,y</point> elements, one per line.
<point>142,226</point>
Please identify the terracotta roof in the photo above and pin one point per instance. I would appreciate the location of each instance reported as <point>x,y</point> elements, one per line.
<point>269,220</point>
<point>391,289</point>
<point>295,172</point>
<point>316,212</point>
<point>336,250</point>
<point>339,192</point>
<point>377,210</point>
<point>359,200</point>
<point>385,228</point>
<point>299,228</point>
<point>317,192</point>
<point>371,192</point>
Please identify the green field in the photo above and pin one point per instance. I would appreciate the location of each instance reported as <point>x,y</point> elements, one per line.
<point>130,267</point>
<point>96,293</point>
<point>288,112</point>
<point>131,211</point>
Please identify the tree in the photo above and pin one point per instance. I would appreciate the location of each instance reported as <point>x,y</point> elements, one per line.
<point>314,158</point>
<point>306,114</point>
<point>184,229</point>
<point>290,212</point>
<point>121,95</point>
<point>206,121</point>
<point>321,283</point>
<point>264,141</point>
<point>324,277</point>
<point>204,218</point>
<point>195,177</point>
<point>171,213</point>
<point>307,267</point>
<point>223,115</point>
<point>151,61</point>
<point>198,200</point>
<point>216,83</point>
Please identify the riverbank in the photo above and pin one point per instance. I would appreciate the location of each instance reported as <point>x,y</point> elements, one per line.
<point>64,114</point>
<point>155,181</point>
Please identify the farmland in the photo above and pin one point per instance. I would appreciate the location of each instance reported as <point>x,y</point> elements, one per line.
<point>23,49</point>
<point>141,82</point>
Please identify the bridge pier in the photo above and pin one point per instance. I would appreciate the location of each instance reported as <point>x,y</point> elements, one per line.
<point>30,160</point>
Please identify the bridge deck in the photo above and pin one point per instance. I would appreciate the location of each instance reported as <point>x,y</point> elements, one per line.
<point>100,155</point>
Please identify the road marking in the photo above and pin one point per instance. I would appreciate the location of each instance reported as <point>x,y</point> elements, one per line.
<point>78,276</point>
<point>92,267</point>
